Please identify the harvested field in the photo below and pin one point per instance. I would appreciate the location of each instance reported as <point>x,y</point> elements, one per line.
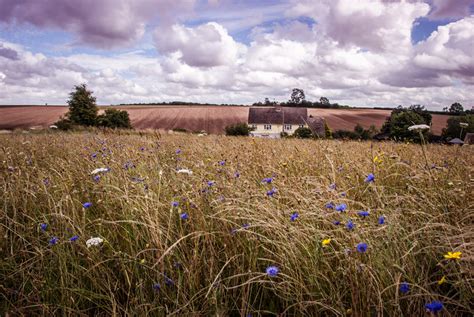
<point>212,119</point>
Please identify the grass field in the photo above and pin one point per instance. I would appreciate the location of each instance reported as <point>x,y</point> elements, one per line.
<point>246,233</point>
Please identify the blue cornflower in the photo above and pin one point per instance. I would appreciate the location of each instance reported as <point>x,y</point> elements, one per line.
<point>404,288</point>
<point>46,181</point>
<point>343,194</point>
<point>175,204</point>
<point>168,281</point>
<point>341,207</point>
<point>332,186</point>
<point>267,180</point>
<point>156,286</point>
<point>128,165</point>
<point>245,225</point>
<point>96,178</point>
<point>272,271</point>
<point>87,205</point>
<point>363,213</point>
<point>434,307</point>
<point>381,220</point>
<point>210,183</point>
<point>236,174</point>
<point>370,178</point>
<point>178,151</point>
<point>94,155</point>
<point>53,240</point>
<point>362,247</point>
<point>74,238</point>
<point>271,192</point>
<point>330,205</point>
<point>43,226</point>
<point>142,149</point>
<point>184,216</point>
<point>350,225</point>
<point>337,223</point>
<point>294,216</point>
<point>222,163</point>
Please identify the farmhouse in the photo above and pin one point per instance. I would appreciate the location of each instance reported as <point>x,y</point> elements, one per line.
<point>270,122</point>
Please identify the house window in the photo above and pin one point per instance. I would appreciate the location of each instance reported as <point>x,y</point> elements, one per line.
<point>288,127</point>
<point>253,126</point>
<point>301,125</point>
<point>267,126</point>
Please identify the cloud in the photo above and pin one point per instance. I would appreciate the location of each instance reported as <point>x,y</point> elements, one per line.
<point>8,53</point>
<point>445,9</point>
<point>206,45</point>
<point>100,23</point>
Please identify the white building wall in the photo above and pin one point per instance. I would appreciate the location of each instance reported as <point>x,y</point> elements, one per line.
<point>274,131</point>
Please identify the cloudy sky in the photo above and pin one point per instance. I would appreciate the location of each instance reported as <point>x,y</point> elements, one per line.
<point>356,52</point>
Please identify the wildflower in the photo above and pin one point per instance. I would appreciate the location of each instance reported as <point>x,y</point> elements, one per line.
<point>377,160</point>
<point>337,223</point>
<point>326,242</point>
<point>210,183</point>
<point>96,178</point>
<point>43,226</point>
<point>184,171</point>
<point>370,178</point>
<point>332,186</point>
<point>156,286</point>
<point>350,225</point>
<point>178,151</point>
<point>362,247</point>
<point>175,204</point>
<point>184,216</point>
<point>53,240</point>
<point>272,271</point>
<point>341,207</point>
<point>94,155</point>
<point>245,225</point>
<point>343,194</point>
<point>236,174</point>
<point>434,307</point>
<point>442,280</point>
<point>404,288</point>
<point>267,180</point>
<point>222,163</point>
<point>128,165</point>
<point>100,170</point>
<point>381,220</point>
<point>87,205</point>
<point>46,181</point>
<point>329,205</point>
<point>74,238</point>
<point>94,242</point>
<point>294,216</point>
<point>453,255</point>
<point>142,149</point>
<point>463,124</point>
<point>168,281</point>
<point>363,213</point>
<point>418,127</point>
<point>271,192</point>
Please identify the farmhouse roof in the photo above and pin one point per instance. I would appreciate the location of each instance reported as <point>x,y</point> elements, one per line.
<point>277,115</point>
<point>469,139</point>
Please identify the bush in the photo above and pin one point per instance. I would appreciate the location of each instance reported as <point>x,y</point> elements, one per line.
<point>454,130</point>
<point>113,118</point>
<point>303,133</point>
<point>64,124</point>
<point>241,129</point>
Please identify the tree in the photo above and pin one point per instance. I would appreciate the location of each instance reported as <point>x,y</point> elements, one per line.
<point>324,101</point>
<point>456,108</point>
<point>242,129</point>
<point>303,133</point>
<point>297,96</point>
<point>82,107</point>
<point>400,122</point>
<point>455,130</point>
<point>113,118</point>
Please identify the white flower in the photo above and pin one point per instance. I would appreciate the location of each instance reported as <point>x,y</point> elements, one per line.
<point>184,171</point>
<point>464,124</point>
<point>53,126</point>
<point>100,170</point>
<point>94,242</point>
<point>419,127</point>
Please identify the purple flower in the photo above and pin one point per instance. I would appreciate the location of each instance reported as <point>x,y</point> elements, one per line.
<point>222,163</point>
<point>381,220</point>
<point>156,286</point>
<point>271,192</point>
<point>94,155</point>
<point>245,225</point>
<point>74,238</point>
<point>362,247</point>
<point>53,240</point>
<point>332,186</point>
<point>168,281</point>
<point>210,183</point>
<point>330,205</point>
<point>337,223</point>
<point>370,178</point>
<point>404,288</point>
<point>434,307</point>
<point>350,225</point>
<point>178,151</point>
<point>96,178</point>
<point>343,194</point>
<point>175,204</point>
<point>267,180</point>
<point>363,213</point>
<point>272,271</point>
<point>236,174</point>
<point>294,216</point>
<point>341,207</point>
<point>142,149</point>
<point>43,226</point>
<point>46,181</point>
<point>87,205</point>
<point>184,216</point>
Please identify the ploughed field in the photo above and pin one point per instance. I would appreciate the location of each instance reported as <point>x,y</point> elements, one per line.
<point>212,119</point>
<point>109,224</point>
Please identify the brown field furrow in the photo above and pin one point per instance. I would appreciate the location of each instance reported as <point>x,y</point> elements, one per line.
<point>212,119</point>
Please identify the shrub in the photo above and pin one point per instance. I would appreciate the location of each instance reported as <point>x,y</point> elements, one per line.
<point>82,107</point>
<point>454,130</point>
<point>114,118</point>
<point>303,133</point>
<point>64,124</point>
<point>242,129</point>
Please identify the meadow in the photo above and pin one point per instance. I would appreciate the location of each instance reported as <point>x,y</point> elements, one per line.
<point>225,226</point>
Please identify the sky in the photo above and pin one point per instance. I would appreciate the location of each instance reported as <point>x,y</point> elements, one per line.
<point>364,53</point>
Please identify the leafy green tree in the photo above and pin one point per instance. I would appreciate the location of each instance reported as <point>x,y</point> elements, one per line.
<point>456,108</point>
<point>324,101</point>
<point>297,96</point>
<point>242,129</point>
<point>453,128</point>
<point>114,118</point>
<point>303,133</point>
<point>401,121</point>
<point>82,107</point>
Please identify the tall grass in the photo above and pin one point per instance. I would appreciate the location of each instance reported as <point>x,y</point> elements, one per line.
<point>152,262</point>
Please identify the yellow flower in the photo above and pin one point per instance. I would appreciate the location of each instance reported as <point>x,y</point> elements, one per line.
<point>142,261</point>
<point>377,160</point>
<point>326,242</point>
<point>442,280</point>
<point>453,255</point>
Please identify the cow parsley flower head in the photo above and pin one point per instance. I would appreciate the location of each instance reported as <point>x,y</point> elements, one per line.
<point>100,170</point>
<point>362,247</point>
<point>294,216</point>
<point>434,307</point>
<point>404,288</point>
<point>184,171</point>
<point>341,207</point>
<point>419,127</point>
<point>94,242</point>
<point>272,271</point>
<point>87,205</point>
<point>370,178</point>
<point>363,213</point>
